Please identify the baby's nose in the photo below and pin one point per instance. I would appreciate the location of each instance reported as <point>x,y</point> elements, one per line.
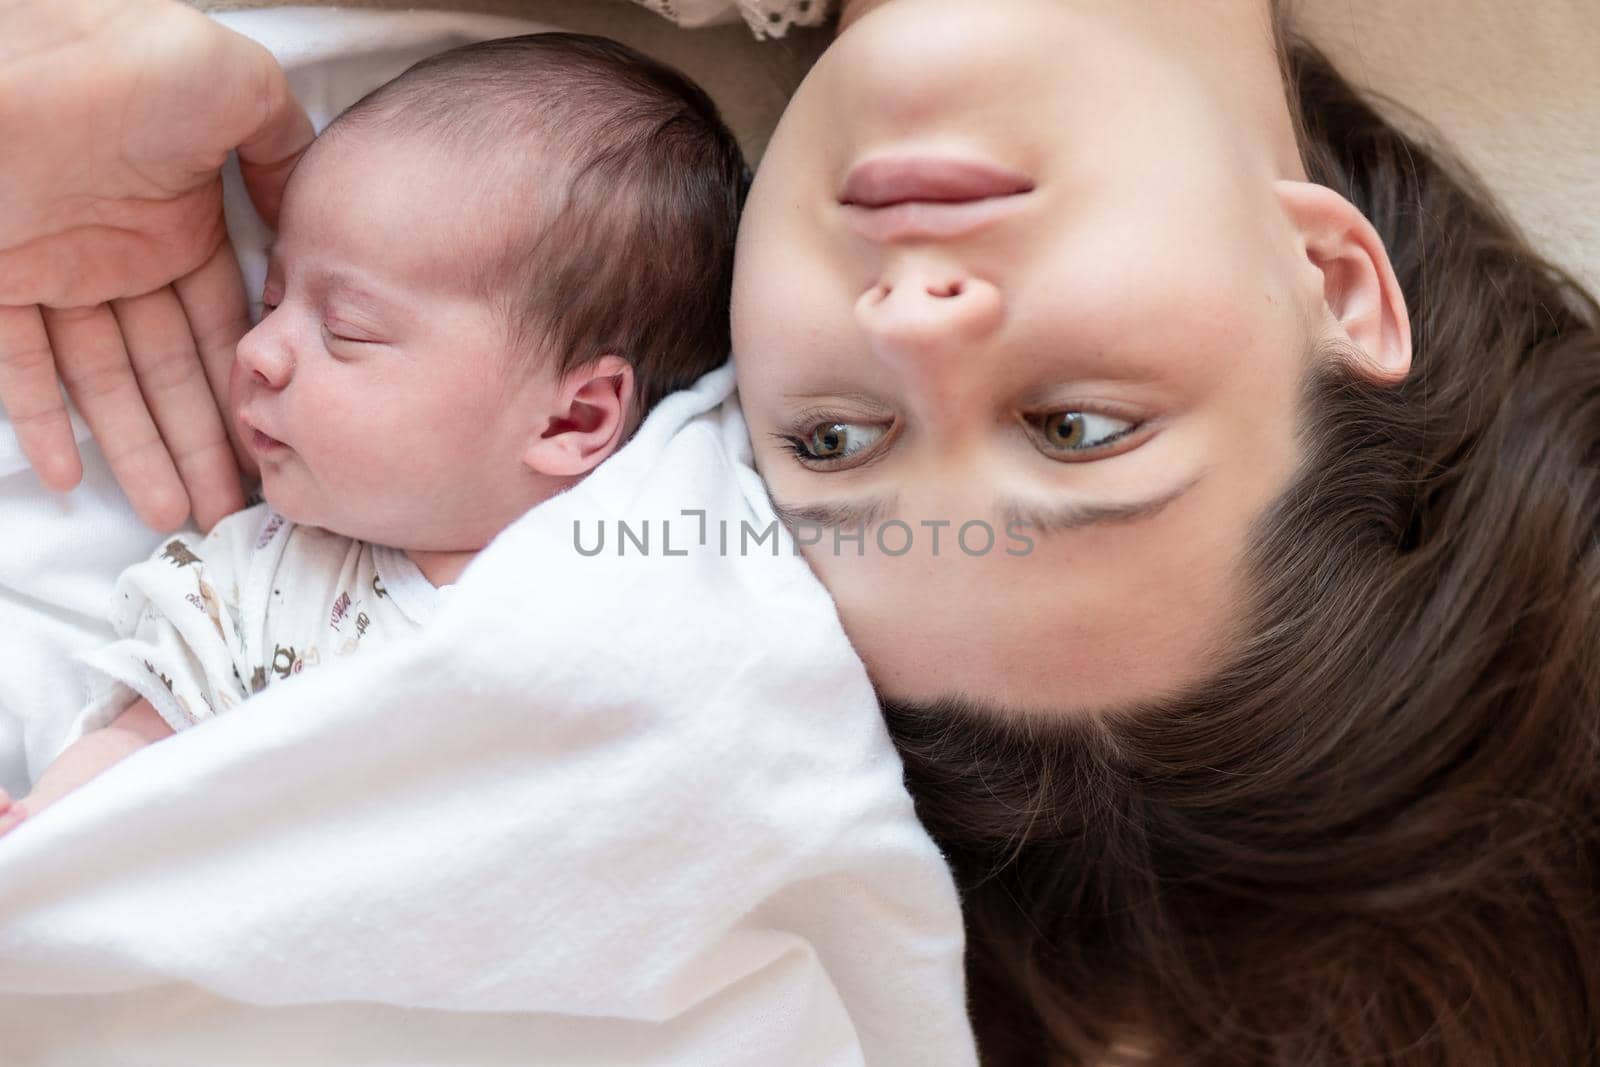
<point>264,354</point>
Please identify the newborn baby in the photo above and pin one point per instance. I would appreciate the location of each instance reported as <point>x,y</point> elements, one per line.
<point>486,272</point>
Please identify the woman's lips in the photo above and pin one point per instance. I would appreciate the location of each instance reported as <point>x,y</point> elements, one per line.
<point>903,198</point>
<point>887,181</point>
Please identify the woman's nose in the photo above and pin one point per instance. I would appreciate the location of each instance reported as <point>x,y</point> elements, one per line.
<point>928,316</point>
<point>265,354</point>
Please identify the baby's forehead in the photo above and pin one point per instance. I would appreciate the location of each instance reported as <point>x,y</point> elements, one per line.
<point>400,200</point>
<point>402,168</point>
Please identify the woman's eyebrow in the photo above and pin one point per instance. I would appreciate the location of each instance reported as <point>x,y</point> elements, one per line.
<point>1047,519</point>
<point>836,514</point>
<point>1043,519</point>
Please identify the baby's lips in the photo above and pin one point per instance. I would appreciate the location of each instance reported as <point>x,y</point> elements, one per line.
<point>255,438</point>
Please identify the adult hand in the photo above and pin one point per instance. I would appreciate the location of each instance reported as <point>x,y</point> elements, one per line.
<point>115,270</point>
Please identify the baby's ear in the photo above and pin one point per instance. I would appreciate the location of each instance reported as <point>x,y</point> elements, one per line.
<point>587,419</point>
<point>1359,287</point>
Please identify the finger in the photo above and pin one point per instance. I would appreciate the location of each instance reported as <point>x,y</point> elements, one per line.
<point>214,301</point>
<point>94,365</point>
<point>31,394</point>
<point>269,152</point>
<point>156,335</point>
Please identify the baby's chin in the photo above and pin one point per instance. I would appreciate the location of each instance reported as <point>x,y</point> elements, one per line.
<point>296,515</point>
<point>285,498</point>
<point>291,500</point>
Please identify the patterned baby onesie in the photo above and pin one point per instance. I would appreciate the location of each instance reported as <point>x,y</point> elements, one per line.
<point>206,623</point>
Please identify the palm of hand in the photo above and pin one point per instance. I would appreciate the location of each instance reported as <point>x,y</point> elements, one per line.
<point>121,183</point>
<point>116,273</point>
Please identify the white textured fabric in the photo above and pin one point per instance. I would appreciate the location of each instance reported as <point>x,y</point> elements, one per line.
<point>766,18</point>
<point>63,555</point>
<point>207,622</point>
<point>630,808</point>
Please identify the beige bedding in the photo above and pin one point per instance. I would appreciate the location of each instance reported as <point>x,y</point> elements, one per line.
<point>1514,84</point>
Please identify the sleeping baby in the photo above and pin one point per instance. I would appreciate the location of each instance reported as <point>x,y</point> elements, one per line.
<point>486,272</point>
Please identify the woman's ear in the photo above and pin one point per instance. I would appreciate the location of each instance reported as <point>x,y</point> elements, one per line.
<point>1359,287</point>
<point>587,419</point>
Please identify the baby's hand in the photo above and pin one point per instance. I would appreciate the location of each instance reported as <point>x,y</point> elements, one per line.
<point>12,812</point>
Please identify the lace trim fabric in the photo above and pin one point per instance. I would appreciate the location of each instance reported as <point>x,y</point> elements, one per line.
<point>766,18</point>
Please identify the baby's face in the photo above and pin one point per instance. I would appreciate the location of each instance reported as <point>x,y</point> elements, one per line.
<point>379,394</point>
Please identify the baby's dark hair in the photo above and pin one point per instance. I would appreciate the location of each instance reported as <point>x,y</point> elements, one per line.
<point>615,192</point>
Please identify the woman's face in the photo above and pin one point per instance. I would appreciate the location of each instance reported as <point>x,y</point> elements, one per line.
<point>1093,348</point>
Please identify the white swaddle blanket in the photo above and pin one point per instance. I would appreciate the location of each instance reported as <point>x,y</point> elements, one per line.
<point>614,809</point>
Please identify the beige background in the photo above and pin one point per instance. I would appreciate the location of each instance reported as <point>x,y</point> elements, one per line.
<point>1514,84</point>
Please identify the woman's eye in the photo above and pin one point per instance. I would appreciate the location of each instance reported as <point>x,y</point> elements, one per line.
<point>836,442</point>
<point>1074,433</point>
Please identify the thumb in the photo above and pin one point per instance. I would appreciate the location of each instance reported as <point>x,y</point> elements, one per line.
<point>268,153</point>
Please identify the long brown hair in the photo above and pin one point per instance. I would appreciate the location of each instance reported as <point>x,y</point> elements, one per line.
<point>1375,837</point>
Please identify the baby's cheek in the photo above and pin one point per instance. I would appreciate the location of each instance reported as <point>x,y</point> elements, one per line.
<point>422,440</point>
<point>413,462</point>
